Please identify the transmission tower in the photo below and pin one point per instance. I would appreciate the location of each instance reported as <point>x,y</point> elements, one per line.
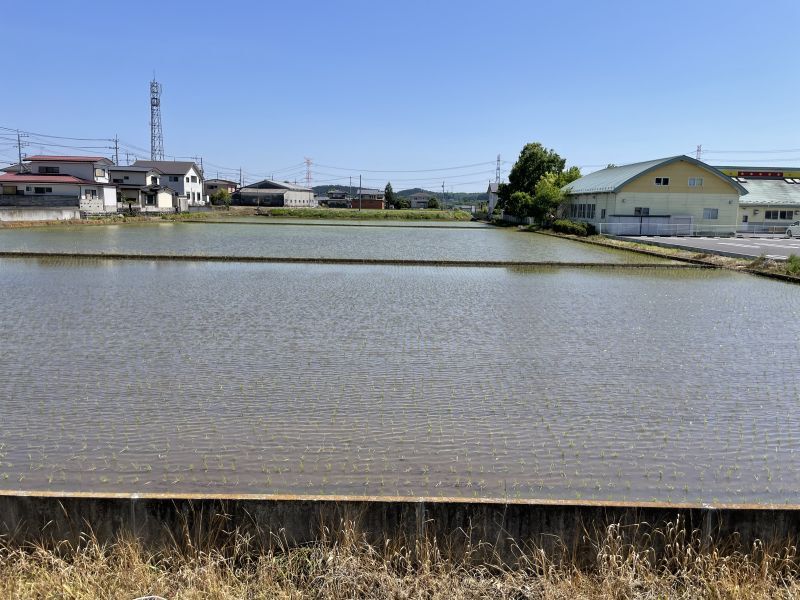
<point>156,135</point>
<point>308,172</point>
<point>497,171</point>
<point>699,151</point>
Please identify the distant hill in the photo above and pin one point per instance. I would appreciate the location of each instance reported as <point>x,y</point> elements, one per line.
<point>454,198</point>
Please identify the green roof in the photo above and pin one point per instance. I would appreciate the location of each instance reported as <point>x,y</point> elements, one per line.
<point>612,179</point>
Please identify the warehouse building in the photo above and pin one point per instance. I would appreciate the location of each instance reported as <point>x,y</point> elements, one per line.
<point>677,195</point>
<point>274,193</point>
<point>773,199</point>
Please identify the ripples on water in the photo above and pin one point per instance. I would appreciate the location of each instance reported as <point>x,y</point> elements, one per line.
<point>304,241</point>
<point>546,383</point>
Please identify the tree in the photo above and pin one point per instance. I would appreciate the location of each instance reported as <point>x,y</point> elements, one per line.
<point>402,202</point>
<point>433,203</point>
<point>388,193</point>
<point>547,198</point>
<point>569,176</point>
<point>221,197</point>
<point>520,204</point>
<point>534,161</point>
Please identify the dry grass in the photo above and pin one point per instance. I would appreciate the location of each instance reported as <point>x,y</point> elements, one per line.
<point>625,562</point>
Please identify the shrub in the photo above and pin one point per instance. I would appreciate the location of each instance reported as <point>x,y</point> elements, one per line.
<point>573,227</point>
<point>793,264</point>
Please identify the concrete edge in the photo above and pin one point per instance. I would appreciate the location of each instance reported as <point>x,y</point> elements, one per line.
<point>588,503</point>
<point>693,261</point>
<point>338,261</point>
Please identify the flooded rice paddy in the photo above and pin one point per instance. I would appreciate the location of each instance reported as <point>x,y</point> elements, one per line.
<point>439,241</point>
<point>540,383</point>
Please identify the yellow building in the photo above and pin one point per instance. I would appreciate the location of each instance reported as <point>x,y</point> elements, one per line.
<point>678,195</point>
<point>773,199</point>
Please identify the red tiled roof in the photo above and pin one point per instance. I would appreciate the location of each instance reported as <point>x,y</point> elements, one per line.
<point>44,157</point>
<point>29,178</point>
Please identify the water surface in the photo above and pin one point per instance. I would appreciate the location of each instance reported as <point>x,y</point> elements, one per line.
<point>303,241</point>
<point>276,378</point>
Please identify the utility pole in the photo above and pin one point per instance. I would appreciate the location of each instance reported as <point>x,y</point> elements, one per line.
<point>116,150</point>
<point>240,176</point>
<point>359,192</point>
<point>350,189</point>
<point>443,203</point>
<point>22,169</point>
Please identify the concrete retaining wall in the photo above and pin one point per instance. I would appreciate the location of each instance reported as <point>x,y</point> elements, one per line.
<point>39,214</point>
<point>507,526</point>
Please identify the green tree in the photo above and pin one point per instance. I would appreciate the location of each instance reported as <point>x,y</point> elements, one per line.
<point>534,161</point>
<point>547,198</point>
<point>221,197</point>
<point>520,204</point>
<point>388,193</point>
<point>569,176</point>
<point>403,202</point>
<point>433,203</point>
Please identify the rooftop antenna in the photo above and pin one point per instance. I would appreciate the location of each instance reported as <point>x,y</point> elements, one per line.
<point>156,135</point>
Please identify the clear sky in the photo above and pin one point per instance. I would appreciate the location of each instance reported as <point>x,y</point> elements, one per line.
<point>371,87</point>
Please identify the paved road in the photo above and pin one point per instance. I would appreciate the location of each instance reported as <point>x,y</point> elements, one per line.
<point>776,247</point>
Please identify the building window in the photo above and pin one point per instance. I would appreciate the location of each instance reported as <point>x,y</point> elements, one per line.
<point>126,178</point>
<point>90,194</point>
<point>695,182</point>
<point>710,214</point>
<point>116,180</point>
<point>153,180</point>
<point>641,211</point>
<point>662,180</point>
<point>187,180</point>
<point>99,172</point>
<point>194,178</point>
<point>744,218</point>
<point>173,178</point>
<point>602,213</point>
<point>42,190</point>
<point>48,170</point>
<point>774,215</point>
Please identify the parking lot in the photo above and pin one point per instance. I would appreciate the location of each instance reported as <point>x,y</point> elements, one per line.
<point>777,247</point>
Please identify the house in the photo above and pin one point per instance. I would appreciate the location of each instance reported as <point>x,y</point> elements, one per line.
<point>184,177</point>
<point>773,198</point>
<point>420,199</point>
<point>492,192</point>
<point>274,193</point>
<point>212,186</point>
<point>337,199</point>
<point>369,198</point>
<point>143,188</point>
<point>78,184</point>
<point>677,195</point>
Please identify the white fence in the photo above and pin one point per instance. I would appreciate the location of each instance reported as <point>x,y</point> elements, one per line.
<point>663,228</point>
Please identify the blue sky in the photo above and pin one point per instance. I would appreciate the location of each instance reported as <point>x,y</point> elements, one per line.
<point>371,87</point>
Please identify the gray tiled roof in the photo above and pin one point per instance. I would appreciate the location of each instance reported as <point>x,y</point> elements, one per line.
<point>168,167</point>
<point>268,184</point>
<point>612,179</point>
<point>771,191</point>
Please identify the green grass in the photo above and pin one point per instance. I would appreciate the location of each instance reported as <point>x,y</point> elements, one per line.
<point>793,265</point>
<point>368,214</point>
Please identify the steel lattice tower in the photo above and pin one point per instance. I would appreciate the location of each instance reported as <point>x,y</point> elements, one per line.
<point>156,135</point>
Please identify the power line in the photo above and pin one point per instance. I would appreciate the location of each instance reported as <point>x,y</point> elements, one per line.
<point>491,162</point>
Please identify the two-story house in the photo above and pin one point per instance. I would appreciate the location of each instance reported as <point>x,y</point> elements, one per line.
<point>143,188</point>
<point>46,182</point>
<point>185,177</point>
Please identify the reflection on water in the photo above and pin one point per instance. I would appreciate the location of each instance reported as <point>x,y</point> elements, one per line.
<point>303,241</point>
<point>262,378</point>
